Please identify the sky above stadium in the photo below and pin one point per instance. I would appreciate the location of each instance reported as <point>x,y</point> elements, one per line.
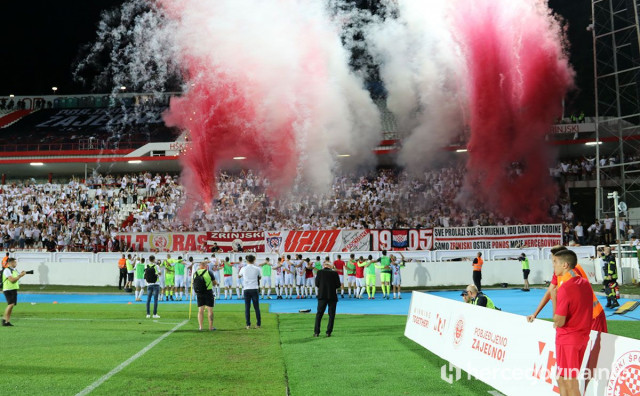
<point>44,38</point>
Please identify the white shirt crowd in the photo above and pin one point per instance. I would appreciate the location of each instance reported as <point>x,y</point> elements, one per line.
<point>86,216</point>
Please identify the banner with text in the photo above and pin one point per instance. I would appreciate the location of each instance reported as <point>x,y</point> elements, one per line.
<point>572,128</point>
<point>498,237</point>
<point>514,356</point>
<point>165,241</point>
<point>355,240</point>
<point>250,241</point>
<point>412,239</point>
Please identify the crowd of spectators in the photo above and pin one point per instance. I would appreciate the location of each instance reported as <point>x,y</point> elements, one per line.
<point>585,168</point>
<point>86,215</point>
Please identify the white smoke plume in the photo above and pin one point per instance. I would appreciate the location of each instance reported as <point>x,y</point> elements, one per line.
<point>421,66</point>
<point>283,59</point>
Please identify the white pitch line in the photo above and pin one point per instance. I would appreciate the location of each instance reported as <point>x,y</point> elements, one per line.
<point>124,364</point>
<point>94,320</point>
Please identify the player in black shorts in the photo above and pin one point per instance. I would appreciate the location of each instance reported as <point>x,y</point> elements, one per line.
<point>205,298</point>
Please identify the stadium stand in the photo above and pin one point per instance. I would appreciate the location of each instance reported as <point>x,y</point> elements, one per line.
<point>57,213</point>
<point>85,215</point>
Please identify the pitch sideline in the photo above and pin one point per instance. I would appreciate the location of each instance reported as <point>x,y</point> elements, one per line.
<point>127,362</point>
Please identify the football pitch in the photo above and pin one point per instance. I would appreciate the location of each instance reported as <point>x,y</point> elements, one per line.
<point>106,349</point>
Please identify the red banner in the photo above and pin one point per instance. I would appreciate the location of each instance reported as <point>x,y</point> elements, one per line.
<point>311,241</point>
<point>237,241</point>
<point>165,241</point>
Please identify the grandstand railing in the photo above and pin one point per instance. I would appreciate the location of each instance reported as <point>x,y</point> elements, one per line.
<point>12,149</point>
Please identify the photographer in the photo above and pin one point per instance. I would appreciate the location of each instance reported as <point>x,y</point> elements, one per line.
<point>472,296</point>
<point>10,286</point>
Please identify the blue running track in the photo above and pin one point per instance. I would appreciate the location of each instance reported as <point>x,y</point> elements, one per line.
<point>510,300</point>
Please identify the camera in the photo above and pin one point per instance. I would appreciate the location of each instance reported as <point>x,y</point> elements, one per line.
<point>29,272</point>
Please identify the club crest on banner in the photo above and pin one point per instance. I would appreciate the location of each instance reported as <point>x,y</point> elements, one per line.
<point>625,377</point>
<point>237,245</point>
<point>458,332</point>
<point>274,241</point>
<point>162,242</point>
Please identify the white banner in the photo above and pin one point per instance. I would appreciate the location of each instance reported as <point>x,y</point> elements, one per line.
<point>355,240</point>
<point>573,128</point>
<point>498,237</point>
<point>514,356</point>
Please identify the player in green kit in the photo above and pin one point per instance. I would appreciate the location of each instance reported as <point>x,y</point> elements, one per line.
<point>317,266</point>
<point>385,274</point>
<point>370,277</point>
<point>180,278</point>
<point>169,277</point>
<point>351,274</point>
<point>266,278</point>
<point>138,278</point>
<point>130,277</point>
<point>227,271</point>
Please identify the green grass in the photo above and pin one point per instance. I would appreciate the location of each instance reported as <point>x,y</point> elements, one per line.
<point>60,349</point>
<point>366,355</point>
<point>624,289</point>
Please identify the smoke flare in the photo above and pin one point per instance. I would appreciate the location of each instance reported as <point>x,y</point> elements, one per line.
<point>518,75</point>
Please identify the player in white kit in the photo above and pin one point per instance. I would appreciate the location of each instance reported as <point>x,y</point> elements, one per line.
<point>279,278</point>
<point>239,284</point>
<point>299,269</point>
<point>289,272</point>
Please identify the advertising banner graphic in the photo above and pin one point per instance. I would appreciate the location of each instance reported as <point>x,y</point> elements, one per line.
<point>512,355</point>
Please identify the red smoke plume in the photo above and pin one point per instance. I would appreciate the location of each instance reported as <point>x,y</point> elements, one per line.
<point>223,122</point>
<point>517,78</point>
